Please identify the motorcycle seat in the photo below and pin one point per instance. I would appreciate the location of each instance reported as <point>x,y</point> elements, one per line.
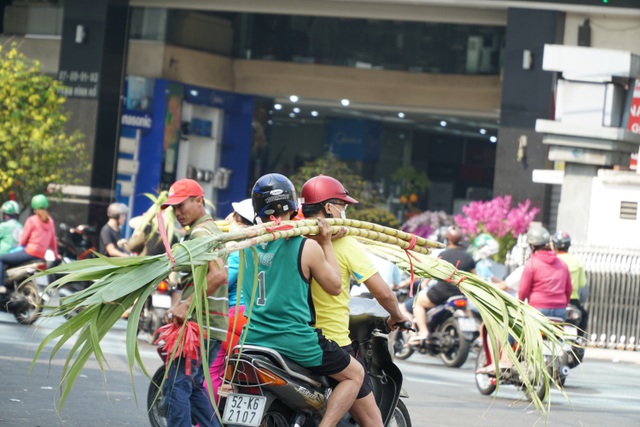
<point>23,270</point>
<point>286,364</point>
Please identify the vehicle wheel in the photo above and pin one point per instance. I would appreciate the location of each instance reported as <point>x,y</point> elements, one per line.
<point>154,399</point>
<point>398,339</point>
<point>539,388</point>
<point>455,342</point>
<point>401,417</point>
<point>30,308</point>
<point>274,418</point>
<point>485,384</point>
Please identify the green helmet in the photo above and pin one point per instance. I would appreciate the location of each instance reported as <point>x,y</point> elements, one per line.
<point>39,201</point>
<point>10,207</point>
<point>482,240</point>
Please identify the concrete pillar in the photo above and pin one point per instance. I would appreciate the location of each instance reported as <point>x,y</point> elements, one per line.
<point>575,200</point>
<point>92,67</point>
<point>527,95</point>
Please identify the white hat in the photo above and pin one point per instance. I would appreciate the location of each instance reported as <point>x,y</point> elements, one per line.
<point>245,209</point>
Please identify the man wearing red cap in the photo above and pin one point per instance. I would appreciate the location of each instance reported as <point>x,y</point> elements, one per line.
<point>186,401</point>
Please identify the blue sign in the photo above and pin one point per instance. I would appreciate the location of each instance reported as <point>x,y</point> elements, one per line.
<point>355,139</point>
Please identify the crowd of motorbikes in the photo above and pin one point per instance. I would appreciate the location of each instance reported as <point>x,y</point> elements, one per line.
<point>267,389</point>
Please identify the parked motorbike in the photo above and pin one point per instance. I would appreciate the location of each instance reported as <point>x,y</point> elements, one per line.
<point>75,243</point>
<point>23,300</point>
<point>269,389</point>
<point>152,314</point>
<point>559,358</point>
<point>451,330</point>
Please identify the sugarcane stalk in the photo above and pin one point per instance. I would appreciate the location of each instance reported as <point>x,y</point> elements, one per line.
<point>118,282</point>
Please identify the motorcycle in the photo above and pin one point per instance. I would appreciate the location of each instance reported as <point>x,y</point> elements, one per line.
<point>559,359</point>
<point>271,390</point>
<point>75,243</point>
<point>152,314</point>
<point>23,298</point>
<point>451,330</point>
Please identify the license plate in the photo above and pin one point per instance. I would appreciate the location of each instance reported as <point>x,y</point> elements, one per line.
<point>161,301</point>
<point>571,330</point>
<point>467,324</point>
<point>243,410</point>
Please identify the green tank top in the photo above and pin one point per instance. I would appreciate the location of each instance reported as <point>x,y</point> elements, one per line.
<point>282,307</point>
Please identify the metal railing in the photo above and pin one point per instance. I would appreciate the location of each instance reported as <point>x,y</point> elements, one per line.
<point>613,304</point>
<point>613,275</point>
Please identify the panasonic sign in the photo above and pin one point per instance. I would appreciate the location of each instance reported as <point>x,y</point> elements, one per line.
<point>137,121</point>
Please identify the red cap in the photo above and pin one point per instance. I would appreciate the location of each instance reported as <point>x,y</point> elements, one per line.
<point>181,190</point>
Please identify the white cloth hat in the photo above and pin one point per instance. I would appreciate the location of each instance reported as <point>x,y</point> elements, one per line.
<point>245,209</point>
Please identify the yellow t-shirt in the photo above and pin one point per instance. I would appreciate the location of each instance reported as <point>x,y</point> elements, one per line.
<point>576,270</point>
<point>332,312</point>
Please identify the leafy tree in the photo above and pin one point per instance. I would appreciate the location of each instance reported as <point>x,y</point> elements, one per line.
<point>329,165</point>
<point>368,199</point>
<point>36,149</point>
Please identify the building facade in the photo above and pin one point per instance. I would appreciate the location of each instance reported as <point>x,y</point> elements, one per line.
<point>454,91</point>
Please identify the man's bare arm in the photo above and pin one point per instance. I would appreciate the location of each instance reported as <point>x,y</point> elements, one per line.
<point>386,298</point>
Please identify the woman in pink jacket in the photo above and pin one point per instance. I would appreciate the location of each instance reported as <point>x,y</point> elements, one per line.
<point>545,282</point>
<point>38,235</point>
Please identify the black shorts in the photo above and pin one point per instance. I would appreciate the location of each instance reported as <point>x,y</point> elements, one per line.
<point>441,291</point>
<point>365,389</point>
<point>334,358</point>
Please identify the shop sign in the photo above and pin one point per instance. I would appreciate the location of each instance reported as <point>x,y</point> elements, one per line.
<point>137,120</point>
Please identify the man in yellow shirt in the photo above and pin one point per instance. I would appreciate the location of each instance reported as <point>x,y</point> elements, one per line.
<point>325,197</point>
<point>561,242</point>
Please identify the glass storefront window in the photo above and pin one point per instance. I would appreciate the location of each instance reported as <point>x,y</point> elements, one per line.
<point>350,42</point>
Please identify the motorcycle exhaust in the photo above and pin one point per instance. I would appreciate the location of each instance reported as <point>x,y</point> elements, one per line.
<point>564,370</point>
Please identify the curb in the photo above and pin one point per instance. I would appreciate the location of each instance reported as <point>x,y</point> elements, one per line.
<point>614,356</point>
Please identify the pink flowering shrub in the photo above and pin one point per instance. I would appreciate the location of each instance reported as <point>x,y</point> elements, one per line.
<point>426,223</point>
<point>497,218</point>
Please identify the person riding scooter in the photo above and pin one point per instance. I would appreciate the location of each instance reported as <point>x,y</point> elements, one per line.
<point>37,236</point>
<point>561,242</point>
<point>441,291</point>
<point>10,228</point>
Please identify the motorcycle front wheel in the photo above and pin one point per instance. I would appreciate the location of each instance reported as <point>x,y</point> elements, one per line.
<point>398,340</point>
<point>401,417</point>
<point>456,346</point>
<point>30,308</point>
<point>154,400</point>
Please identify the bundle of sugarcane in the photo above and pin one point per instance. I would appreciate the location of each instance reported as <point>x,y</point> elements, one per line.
<point>119,282</point>
<point>503,314</point>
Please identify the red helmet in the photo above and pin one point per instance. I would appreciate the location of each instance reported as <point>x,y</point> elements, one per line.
<point>321,188</point>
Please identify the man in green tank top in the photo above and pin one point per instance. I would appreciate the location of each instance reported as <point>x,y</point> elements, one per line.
<point>185,398</point>
<point>282,312</point>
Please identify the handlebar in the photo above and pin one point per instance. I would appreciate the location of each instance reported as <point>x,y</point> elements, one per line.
<point>405,326</point>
